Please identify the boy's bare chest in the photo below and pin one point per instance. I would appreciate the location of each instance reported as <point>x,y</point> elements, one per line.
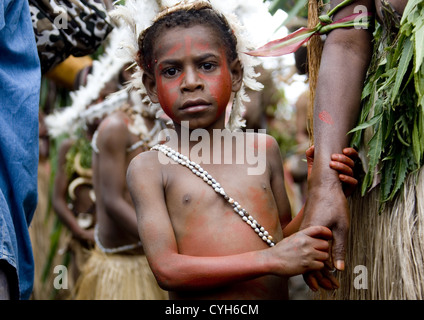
<point>199,214</point>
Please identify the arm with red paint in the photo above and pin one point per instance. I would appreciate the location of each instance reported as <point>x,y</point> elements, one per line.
<point>344,62</point>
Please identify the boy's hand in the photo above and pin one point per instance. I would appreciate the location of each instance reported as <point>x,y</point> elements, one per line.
<point>342,163</point>
<point>305,250</point>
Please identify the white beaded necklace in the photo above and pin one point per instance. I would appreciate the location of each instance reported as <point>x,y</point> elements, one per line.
<point>203,174</point>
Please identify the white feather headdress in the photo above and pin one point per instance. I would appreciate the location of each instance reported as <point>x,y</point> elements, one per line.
<point>68,119</point>
<point>122,48</point>
<point>138,15</point>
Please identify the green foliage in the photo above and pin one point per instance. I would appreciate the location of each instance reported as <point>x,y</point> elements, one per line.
<point>298,8</point>
<point>392,104</point>
<point>83,146</point>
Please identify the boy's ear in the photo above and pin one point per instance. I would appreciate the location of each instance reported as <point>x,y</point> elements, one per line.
<point>236,75</point>
<point>150,85</point>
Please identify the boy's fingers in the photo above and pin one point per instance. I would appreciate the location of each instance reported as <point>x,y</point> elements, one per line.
<point>322,256</point>
<point>318,232</point>
<point>321,245</point>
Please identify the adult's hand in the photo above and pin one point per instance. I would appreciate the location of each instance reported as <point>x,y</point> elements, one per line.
<point>327,205</point>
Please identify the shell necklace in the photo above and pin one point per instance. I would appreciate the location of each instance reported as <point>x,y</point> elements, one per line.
<point>207,178</point>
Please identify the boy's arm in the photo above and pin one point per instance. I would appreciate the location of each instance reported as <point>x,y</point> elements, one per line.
<point>344,63</point>
<point>177,272</point>
<point>275,162</point>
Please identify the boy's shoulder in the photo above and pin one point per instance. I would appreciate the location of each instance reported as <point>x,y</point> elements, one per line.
<point>147,160</point>
<point>144,164</point>
<point>262,141</point>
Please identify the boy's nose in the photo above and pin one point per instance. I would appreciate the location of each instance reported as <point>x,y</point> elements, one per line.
<point>191,81</point>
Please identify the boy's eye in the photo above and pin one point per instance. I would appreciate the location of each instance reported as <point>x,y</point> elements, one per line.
<point>170,72</point>
<point>207,66</point>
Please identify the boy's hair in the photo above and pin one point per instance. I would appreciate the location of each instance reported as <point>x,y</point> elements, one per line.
<point>200,13</point>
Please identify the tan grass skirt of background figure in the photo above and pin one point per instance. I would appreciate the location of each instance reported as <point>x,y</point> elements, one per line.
<point>117,277</point>
<point>387,249</point>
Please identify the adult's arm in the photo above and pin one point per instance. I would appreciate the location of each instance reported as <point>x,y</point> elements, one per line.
<point>344,63</point>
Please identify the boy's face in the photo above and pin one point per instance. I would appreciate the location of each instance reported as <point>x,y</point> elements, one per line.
<point>193,80</point>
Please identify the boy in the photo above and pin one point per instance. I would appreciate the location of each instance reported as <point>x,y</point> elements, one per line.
<point>196,245</point>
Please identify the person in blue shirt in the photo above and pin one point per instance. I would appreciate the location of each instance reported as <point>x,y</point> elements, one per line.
<point>20,77</point>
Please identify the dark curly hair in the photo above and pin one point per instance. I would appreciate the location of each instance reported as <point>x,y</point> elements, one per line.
<point>200,14</point>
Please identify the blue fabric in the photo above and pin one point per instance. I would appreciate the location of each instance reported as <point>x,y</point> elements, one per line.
<point>20,78</point>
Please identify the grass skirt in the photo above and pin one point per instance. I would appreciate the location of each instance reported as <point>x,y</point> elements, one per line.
<point>117,277</point>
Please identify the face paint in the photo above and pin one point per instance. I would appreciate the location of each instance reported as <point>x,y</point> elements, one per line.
<point>168,92</point>
<point>326,117</point>
<point>220,85</point>
<point>185,54</point>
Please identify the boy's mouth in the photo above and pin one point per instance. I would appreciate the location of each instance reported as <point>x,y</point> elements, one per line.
<point>195,105</point>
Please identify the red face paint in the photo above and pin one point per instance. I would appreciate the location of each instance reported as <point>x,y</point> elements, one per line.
<point>326,117</point>
<point>183,49</point>
<point>220,85</point>
<point>168,92</point>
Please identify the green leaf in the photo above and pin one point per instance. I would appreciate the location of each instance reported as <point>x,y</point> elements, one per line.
<point>386,180</point>
<point>404,61</point>
<point>367,89</point>
<point>401,169</point>
<point>389,123</point>
<point>411,5</point>
<point>416,144</point>
<point>366,183</point>
<point>419,47</point>
<point>399,135</point>
<point>419,84</point>
<point>375,149</point>
<point>367,124</point>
